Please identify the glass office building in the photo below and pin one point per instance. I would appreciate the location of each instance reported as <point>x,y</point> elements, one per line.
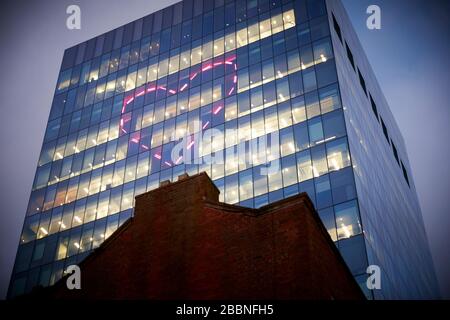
<point>291,71</point>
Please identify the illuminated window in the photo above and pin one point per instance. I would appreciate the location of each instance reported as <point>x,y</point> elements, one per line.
<point>329,98</point>
<point>275,180</point>
<point>284,115</point>
<point>268,71</point>
<point>319,161</point>
<point>265,29</point>
<point>329,221</point>
<point>245,185</point>
<point>91,209</point>
<point>55,223</point>
<point>289,171</point>
<point>115,200</point>
<point>277,23</point>
<point>287,142</point>
<point>347,219</point>
<point>130,169</point>
<point>86,239</point>
<point>127,196</point>
<point>259,182</point>
<point>253,33</point>
<point>322,51</point>
<point>119,171</point>
<point>231,189</point>
<point>304,166</point>
<point>338,155</point>
<point>271,119</point>
<point>289,19</point>
<point>62,247</point>
<point>174,64</point>
<point>298,110</point>
<point>230,42</point>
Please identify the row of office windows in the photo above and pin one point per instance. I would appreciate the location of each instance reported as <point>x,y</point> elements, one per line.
<point>187,90</point>
<point>105,137</point>
<point>84,96</point>
<point>177,61</point>
<point>292,138</point>
<point>50,255</point>
<point>373,105</point>
<point>177,30</point>
<point>247,187</point>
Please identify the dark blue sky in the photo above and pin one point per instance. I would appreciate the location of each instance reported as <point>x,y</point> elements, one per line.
<point>410,57</point>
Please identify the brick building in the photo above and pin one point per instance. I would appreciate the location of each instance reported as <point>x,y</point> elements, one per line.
<point>183,243</point>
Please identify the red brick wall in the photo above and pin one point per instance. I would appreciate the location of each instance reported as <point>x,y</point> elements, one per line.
<point>183,244</point>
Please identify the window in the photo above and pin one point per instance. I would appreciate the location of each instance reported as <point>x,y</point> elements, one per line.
<point>323,192</point>
<point>326,73</point>
<point>301,136</point>
<point>322,51</point>
<point>112,225</point>
<point>231,189</point>
<point>315,131</point>
<point>309,80</point>
<point>319,161</point>
<point>86,238</point>
<point>298,110</point>
<point>405,173</point>
<point>329,98</point>
<point>329,221</point>
<point>343,185</point>
<point>63,243</point>
<point>394,150</point>
<point>374,106</point>
<point>337,28</point>
<point>338,155</point>
<point>30,229</point>
<point>350,56</point>
<point>333,125</point>
<point>304,167</point>
<point>259,182</point>
<point>385,131</point>
<point>362,81</point>
<point>347,219</point>
<point>287,142</point>
<point>289,170</point>
<point>354,253</point>
<point>312,104</point>
<point>284,115</point>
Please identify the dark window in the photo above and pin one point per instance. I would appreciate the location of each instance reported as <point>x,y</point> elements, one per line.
<point>333,125</point>
<point>343,185</point>
<point>354,253</point>
<point>127,34</point>
<point>362,82</point>
<point>157,21</point>
<point>69,58</point>
<point>405,173</point>
<point>384,129</point>
<point>230,15</point>
<point>167,17</point>
<point>374,106</point>
<point>337,28</point>
<point>350,56</point>
<point>326,73</point>
<point>319,28</point>
<point>323,192</point>
<point>219,19</point>
<point>394,149</point>
<point>316,8</point>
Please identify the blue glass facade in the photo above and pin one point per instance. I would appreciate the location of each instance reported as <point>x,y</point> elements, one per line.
<point>250,69</point>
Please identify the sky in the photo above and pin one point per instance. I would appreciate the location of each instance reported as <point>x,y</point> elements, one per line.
<point>409,56</point>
